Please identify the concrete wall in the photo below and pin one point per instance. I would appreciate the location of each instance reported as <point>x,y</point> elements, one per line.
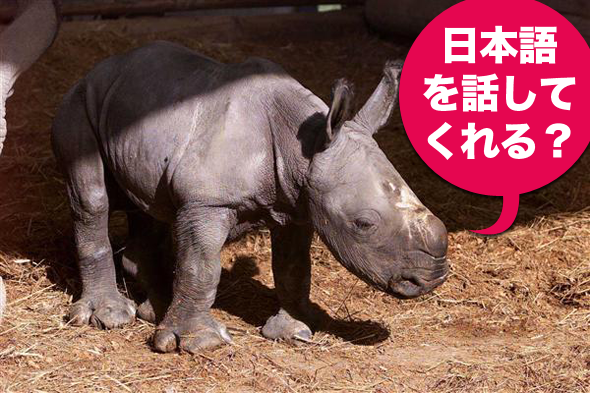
<point>409,17</point>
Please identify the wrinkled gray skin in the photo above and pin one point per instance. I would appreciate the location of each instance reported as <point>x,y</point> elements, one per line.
<point>208,151</point>
<point>21,43</point>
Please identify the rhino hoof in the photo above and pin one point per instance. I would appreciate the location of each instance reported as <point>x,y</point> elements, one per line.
<point>284,327</point>
<point>146,312</point>
<point>103,312</point>
<point>193,336</point>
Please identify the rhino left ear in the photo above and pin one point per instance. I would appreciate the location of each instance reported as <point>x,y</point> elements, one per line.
<point>340,110</point>
<point>377,110</point>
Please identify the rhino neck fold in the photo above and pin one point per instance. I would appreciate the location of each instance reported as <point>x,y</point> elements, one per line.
<point>294,136</point>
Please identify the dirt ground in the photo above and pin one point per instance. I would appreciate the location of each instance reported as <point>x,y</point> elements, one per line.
<point>514,315</point>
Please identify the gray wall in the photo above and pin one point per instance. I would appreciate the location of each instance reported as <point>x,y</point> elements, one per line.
<point>409,17</point>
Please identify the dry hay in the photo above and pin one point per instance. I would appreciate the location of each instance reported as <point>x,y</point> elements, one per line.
<point>513,316</point>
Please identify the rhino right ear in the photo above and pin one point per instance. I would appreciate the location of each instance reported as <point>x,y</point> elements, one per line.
<point>340,110</point>
<point>377,110</point>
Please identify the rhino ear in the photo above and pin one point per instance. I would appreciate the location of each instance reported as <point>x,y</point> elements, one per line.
<point>340,110</point>
<point>377,110</point>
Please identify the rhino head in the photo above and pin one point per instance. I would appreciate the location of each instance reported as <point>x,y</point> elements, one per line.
<point>362,208</point>
<point>23,42</point>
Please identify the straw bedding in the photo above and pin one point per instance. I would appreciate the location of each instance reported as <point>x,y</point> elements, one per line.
<point>514,315</point>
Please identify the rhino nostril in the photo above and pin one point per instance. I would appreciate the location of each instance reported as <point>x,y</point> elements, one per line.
<point>405,288</point>
<point>413,278</point>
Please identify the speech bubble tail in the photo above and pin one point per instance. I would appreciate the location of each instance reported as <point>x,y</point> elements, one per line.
<point>509,211</point>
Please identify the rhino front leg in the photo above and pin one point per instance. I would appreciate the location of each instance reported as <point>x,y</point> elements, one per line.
<point>199,235</point>
<point>79,157</point>
<point>148,259</point>
<point>291,266</point>
<point>101,304</point>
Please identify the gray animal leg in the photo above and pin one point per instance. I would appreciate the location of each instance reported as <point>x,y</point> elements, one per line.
<point>101,304</point>
<point>199,235</point>
<point>148,258</point>
<point>291,266</point>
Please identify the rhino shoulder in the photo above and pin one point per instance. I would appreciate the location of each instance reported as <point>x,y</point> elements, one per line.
<point>261,72</point>
<point>263,64</point>
<point>272,82</point>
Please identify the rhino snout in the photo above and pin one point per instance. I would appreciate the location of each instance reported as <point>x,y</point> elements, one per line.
<point>435,237</point>
<point>414,282</point>
<point>426,266</point>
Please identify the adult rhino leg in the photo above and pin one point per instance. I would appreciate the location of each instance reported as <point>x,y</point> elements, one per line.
<point>199,234</point>
<point>148,258</point>
<point>22,43</point>
<point>76,148</point>
<point>291,266</point>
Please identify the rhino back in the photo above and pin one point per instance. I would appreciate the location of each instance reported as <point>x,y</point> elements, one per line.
<point>176,126</point>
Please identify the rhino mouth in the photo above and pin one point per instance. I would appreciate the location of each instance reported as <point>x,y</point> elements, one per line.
<point>414,282</point>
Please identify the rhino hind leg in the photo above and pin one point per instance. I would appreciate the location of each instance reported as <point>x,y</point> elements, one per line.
<point>291,266</point>
<point>77,152</point>
<point>199,234</point>
<point>147,258</point>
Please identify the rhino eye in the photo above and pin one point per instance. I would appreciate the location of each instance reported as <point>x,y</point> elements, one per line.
<point>363,224</point>
<point>366,222</point>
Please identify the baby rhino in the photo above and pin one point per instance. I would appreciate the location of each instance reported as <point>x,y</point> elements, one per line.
<point>205,152</point>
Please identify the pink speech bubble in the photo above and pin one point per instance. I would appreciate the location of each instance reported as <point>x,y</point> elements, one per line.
<point>526,141</point>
